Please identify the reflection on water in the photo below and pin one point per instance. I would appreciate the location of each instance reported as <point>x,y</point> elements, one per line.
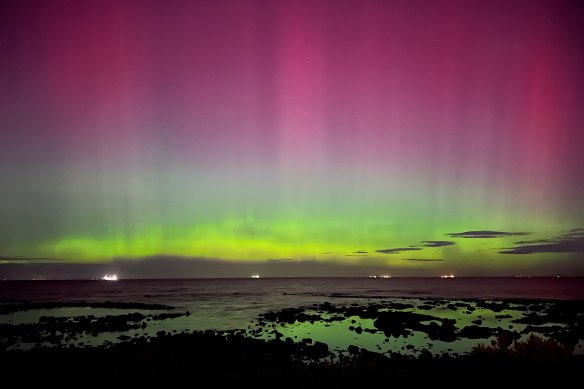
<point>236,304</point>
<point>361,332</point>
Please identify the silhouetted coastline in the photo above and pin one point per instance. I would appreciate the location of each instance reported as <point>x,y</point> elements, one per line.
<point>547,340</point>
<point>213,358</point>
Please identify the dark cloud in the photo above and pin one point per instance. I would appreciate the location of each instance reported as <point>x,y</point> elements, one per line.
<point>25,259</point>
<point>397,250</point>
<point>575,232</point>
<point>485,234</point>
<point>437,243</point>
<point>359,252</point>
<point>532,241</point>
<point>424,259</point>
<point>570,242</point>
<point>162,267</point>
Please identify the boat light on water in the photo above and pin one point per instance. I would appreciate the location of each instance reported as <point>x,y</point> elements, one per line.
<point>255,276</point>
<point>107,277</point>
<point>447,275</point>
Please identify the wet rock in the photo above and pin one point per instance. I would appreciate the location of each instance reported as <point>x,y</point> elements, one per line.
<point>476,332</point>
<point>321,350</point>
<point>445,332</point>
<point>17,307</point>
<point>396,324</point>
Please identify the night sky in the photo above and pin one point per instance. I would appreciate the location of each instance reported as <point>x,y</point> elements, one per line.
<point>310,138</point>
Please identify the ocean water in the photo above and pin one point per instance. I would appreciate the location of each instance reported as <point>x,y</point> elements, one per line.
<point>234,303</point>
<point>222,304</point>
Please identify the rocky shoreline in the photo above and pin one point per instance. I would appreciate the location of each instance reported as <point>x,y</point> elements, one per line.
<point>231,357</point>
<point>522,335</point>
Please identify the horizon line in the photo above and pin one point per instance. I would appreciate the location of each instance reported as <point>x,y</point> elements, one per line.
<point>274,277</point>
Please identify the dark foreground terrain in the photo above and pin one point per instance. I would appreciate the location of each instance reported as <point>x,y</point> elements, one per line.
<point>534,341</point>
<point>212,358</point>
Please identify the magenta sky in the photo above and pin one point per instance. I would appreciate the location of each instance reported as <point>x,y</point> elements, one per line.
<point>258,130</point>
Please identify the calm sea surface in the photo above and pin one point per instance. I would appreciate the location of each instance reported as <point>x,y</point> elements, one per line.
<point>233,303</point>
<point>223,304</point>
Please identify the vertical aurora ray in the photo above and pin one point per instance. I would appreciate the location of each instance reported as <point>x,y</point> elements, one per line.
<point>251,130</point>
